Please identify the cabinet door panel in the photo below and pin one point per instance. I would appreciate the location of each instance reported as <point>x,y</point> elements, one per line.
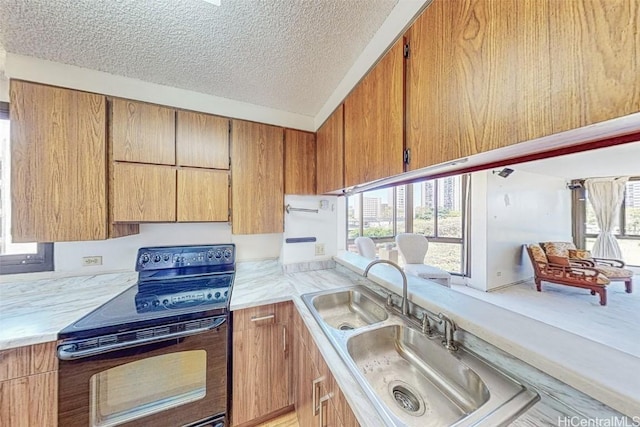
<point>30,401</point>
<point>374,122</point>
<point>143,193</point>
<point>142,133</point>
<point>330,153</point>
<point>202,140</point>
<point>203,195</point>
<point>595,46</point>
<point>58,165</point>
<point>299,162</point>
<point>261,373</point>
<point>257,182</point>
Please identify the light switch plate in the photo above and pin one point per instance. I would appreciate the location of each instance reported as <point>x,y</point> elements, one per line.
<point>319,249</point>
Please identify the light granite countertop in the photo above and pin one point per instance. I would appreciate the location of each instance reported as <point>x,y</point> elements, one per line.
<point>34,311</point>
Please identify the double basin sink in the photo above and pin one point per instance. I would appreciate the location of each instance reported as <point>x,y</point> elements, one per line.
<point>411,378</point>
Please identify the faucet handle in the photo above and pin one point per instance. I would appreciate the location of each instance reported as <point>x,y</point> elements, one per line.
<point>389,300</point>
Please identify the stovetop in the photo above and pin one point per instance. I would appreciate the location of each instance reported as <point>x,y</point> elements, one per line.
<point>175,284</point>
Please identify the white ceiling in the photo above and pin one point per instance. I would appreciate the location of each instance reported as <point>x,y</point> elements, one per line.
<point>289,55</point>
<point>618,160</point>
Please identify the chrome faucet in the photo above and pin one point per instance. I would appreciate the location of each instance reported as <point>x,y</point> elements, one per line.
<point>405,302</point>
<point>449,328</point>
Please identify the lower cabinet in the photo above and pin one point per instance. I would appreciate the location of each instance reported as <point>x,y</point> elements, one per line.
<point>319,400</point>
<point>262,363</point>
<point>276,364</point>
<point>29,386</point>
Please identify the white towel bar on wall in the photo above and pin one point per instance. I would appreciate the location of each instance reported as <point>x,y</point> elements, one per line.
<point>290,208</point>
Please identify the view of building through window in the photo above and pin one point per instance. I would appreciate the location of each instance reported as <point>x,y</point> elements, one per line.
<point>7,247</point>
<point>436,208</point>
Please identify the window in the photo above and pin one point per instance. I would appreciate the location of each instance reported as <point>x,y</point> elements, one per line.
<point>15,257</point>
<point>627,226</point>
<point>435,208</point>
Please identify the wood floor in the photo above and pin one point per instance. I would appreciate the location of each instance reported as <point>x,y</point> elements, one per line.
<point>575,310</point>
<point>286,420</point>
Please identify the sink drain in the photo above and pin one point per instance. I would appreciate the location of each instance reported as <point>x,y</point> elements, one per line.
<point>345,327</point>
<point>406,399</point>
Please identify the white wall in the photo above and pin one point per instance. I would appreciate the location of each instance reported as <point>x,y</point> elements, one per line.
<point>120,254</point>
<point>4,88</point>
<point>322,226</point>
<point>69,76</point>
<point>520,209</point>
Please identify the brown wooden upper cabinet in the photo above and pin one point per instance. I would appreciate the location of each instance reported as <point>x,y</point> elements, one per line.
<point>257,184</point>
<point>483,75</point>
<point>202,140</point>
<point>374,122</point>
<point>142,133</point>
<point>330,153</point>
<point>179,172</point>
<point>58,164</point>
<point>299,162</point>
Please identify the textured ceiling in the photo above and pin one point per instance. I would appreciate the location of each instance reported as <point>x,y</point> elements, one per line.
<point>285,54</point>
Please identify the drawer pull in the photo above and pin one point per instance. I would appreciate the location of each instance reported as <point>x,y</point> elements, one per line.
<point>323,405</point>
<point>315,393</point>
<point>258,319</point>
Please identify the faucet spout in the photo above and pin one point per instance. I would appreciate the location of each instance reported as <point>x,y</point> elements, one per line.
<point>405,302</point>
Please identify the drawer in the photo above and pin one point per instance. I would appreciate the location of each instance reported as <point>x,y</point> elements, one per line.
<point>264,315</point>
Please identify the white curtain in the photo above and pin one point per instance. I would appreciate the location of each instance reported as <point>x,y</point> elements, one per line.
<point>606,196</point>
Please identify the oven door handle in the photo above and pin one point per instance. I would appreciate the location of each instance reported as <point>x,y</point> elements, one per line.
<point>68,351</point>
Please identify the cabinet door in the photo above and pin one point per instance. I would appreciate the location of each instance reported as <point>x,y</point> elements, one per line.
<point>374,122</point>
<point>330,153</point>
<point>299,162</point>
<point>203,195</point>
<point>142,133</point>
<point>30,401</point>
<point>595,46</point>
<point>143,193</point>
<point>202,140</point>
<point>261,362</point>
<point>257,180</point>
<point>58,164</point>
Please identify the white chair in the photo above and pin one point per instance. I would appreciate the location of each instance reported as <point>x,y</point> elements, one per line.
<point>366,247</point>
<point>413,248</point>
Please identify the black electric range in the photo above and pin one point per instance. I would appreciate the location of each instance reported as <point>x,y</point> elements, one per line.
<point>175,284</point>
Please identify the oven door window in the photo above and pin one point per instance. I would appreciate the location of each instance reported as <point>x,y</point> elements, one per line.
<point>148,386</point>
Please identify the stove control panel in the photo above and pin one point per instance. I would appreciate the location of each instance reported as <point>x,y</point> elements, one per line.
<point>146,302</point>
<point>173,257</point>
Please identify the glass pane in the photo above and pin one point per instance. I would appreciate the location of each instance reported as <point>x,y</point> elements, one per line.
<point>7,247</point>
<point>423,205</point>
<point>401,204</point>
<point>450,207</point>
<point>630,250</point>
<point>447,256</point>
<point>632,209</point>
<point>162,382</point>
<point>377,213</point>
<point>353,217</point>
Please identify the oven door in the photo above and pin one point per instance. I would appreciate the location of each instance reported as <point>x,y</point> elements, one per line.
<point>174,382</point>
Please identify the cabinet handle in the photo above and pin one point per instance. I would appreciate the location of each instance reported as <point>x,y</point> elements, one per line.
<point>258,319</point>
<point>284,339</point>
<point>315,393</point>
<point>323,400</point>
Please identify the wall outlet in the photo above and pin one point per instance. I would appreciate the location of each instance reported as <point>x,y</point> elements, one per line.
<point>88,261</point>
<point>319,249</point>
<point>499,273</point>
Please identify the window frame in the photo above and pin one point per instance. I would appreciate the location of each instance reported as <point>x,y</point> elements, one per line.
<point>579,216</point>
<point>40,261</point>
<point>408,223</point>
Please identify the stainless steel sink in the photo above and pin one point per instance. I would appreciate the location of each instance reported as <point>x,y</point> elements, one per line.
<point>411,379</point>
<point>349,309</point>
